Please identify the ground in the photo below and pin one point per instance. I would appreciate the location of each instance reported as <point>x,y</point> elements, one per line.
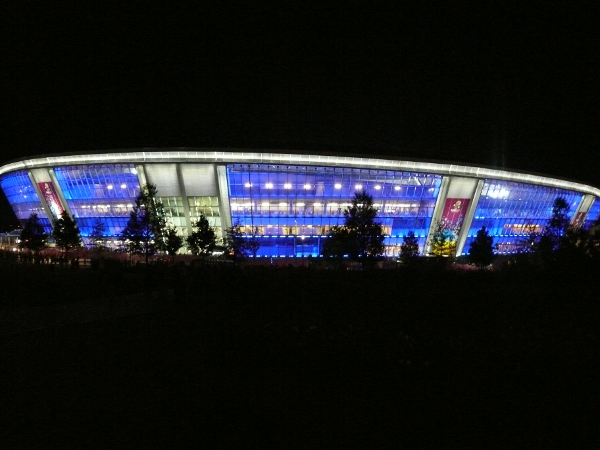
<point>305,359</point>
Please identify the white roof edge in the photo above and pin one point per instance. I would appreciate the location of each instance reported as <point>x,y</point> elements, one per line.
<point>269,156</point>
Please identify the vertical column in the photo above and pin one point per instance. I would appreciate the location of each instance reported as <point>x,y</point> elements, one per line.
<point>437,211</point>
<point>224,208</point>
<point>40,195</point>
<point>582,210</point>
<point>184,200</point>
<point>141,173</point>
<point>59,192</point>
<point>466,226</point>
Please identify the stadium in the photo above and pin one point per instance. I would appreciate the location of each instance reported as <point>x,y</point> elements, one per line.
<point>293,199</point>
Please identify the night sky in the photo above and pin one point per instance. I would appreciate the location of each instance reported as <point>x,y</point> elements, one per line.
<point>509,86</point>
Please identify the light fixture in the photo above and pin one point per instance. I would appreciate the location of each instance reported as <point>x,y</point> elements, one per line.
<point>307,186</point>
<point>123,186</point>
<point>337,185</point>
<point>396,188</point>
<point>269,185</point>
<point>287,186</point>
<point>377,187</point>
<point>110,186</point>
<point>248,185</point>
<point>358,186</point>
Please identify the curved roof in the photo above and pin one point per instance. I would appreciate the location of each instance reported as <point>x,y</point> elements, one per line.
<point>221,155</point>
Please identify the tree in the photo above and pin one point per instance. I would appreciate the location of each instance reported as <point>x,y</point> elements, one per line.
<point>240,244</point>
<point>145,230</point>
<point>203,238</point>
<point>97,238</point>
<point>481,252</point>
<point>409,249</point>
<point>361,237</point>
<point>66,233</point>
<point>33,236</point>
<point>443,240</point>
<point>554,235</point>
<point>252,243</point>
<point>173,242</point>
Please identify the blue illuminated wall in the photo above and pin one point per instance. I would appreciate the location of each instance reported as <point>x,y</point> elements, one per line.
<point>293,207</point>
<point>104,191</point>
<point>23,198</point>
<point>513,211</point>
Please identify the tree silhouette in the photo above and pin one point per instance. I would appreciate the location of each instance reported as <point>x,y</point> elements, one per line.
<point>361,237</point>
<point>555,232</point>
<point>33,236</point>
<point>66,233</point>
<point>203,238</point>
<point>409,249</point>
<point>173,241</point>
<point>239,244</point>
<point>145,230</point>
<point>97,239</point>
<point>481,251</point>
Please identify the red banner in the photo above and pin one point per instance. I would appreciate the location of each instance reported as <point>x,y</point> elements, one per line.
<point>455,211</point>
<point>51,198</point>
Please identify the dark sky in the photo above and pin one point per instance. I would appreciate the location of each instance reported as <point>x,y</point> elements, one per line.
<point>514,86</point>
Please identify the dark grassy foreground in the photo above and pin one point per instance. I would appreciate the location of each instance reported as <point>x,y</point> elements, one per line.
<point>316,359</point>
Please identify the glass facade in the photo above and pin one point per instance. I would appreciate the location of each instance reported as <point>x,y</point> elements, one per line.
<point>104,192</point>
<point>293,207</point>
<point>513,211</point>
<point>23,198</point>
<point>174,213</point>
<point>209,207</point>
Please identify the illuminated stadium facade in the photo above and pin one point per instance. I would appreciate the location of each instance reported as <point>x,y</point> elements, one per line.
<point>292,199</point>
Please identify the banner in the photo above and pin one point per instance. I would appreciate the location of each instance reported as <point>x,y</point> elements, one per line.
<point>51,198</point>
<point>455,210</point>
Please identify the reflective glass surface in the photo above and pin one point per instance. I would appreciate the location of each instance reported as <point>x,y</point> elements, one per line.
<point>512,211</point>
<point>293,207</point>
<point>209,207</point>
<point>174,213</point>
<point>23,198</point>
<point>102,191</point>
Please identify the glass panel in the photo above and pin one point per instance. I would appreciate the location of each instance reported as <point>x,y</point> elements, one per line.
<point>209,207</point>
<point>101,191</point>
<point>513,211</point>
<point>293,207</point>
<point>23,198</point>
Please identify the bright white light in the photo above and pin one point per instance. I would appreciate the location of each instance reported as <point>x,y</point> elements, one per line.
<point>265,203</point>
<point>358,186</point>
<point>299,204</point>
<point>283,204</point>
<point>337,185</point>
<point>307,186</point>
<point>333,205</point>
<point>396,188</point>
<point>123,186</point>
<point>110,186</point>
<point>134,171</point>
<point>269,185</point>
<point>317,204</point>
<point>377,187</point>
<point>248,185</point>
<point>502,193</point>
<point>287,186</point>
